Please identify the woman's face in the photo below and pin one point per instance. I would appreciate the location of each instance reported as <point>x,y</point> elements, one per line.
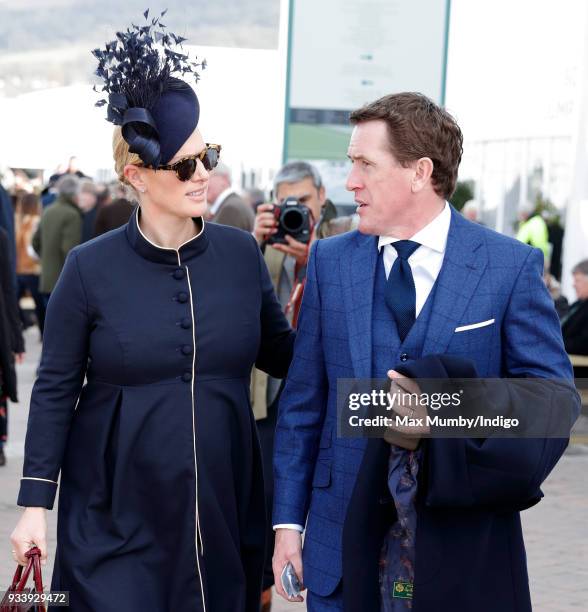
<point>164,190</point>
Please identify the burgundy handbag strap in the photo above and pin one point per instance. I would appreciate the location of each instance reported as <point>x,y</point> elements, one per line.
<point>21,576</point>
<point>16,578</point>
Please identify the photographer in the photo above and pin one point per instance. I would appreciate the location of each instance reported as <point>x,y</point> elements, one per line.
<point>299,181</point>
<point>286,261</point>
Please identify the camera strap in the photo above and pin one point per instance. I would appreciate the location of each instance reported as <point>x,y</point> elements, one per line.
<point>295,300</point>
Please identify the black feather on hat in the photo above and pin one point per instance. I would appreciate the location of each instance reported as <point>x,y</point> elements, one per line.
<point>157,110</point>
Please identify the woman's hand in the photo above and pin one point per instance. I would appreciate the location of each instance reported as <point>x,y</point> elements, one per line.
<point>30,531</point>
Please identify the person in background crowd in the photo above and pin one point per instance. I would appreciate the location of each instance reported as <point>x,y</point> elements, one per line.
<point>302,181</point>
<point>554,287</point>
<point>48,195</point>
<point>254,197</point>
<point>28,268</point>
<point>533,229</point>
<point>471,211</point>
<point>59,231</point>
<point>113,215</point>
<point>11,340</point>
<point>72,168</point>
<point>88,204</point>
<point>103,196</point>
<point>227,207</point>
<point>7,223</point>
<point>574,324</point>
<point>555,234</point>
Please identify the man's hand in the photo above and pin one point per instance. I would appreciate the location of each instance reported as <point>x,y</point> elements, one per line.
<point>298,250</point>
<point>406,436</point>
<point>265,223</point>
<point>288,548</point>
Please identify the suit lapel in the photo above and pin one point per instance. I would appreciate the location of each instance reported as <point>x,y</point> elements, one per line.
<point>358,274</point>
<point>463,265</point>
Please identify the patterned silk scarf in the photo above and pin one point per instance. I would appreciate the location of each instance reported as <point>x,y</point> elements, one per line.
<point>398,551</point>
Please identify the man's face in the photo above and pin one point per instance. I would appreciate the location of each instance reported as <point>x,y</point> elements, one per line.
<point>581,285</point>
<point>381,185</point>
<point>217,183</point>
<point>87,200</point>
<point>305,192</point>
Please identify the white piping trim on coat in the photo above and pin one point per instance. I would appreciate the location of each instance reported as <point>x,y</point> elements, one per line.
<point>157,246</point>
<point>192,382</point>
<point>40,479</point>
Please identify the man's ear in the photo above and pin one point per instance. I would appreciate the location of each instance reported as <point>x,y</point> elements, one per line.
<point>423,170</point>
<point>322,195</point>
<point>135,177</point>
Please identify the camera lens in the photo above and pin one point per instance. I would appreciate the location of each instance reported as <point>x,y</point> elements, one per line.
<point>292,220</point>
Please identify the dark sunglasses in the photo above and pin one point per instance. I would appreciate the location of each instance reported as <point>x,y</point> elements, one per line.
<point>186,167</point>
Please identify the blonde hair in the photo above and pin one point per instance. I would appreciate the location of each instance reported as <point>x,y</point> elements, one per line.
<point>121,154</point>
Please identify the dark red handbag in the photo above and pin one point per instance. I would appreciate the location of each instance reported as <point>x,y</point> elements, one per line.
<point>19,582</point>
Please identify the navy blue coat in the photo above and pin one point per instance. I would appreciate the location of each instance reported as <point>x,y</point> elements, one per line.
<point>161,496</point>
<point>469,546</point>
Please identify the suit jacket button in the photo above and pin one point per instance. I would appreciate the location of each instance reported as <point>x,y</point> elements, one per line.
<point>403,357</point>
<point>186,323</point>
<point>182,297</point>
<point>187,349</point>
<point>187,376</point>
<point>179,273</point>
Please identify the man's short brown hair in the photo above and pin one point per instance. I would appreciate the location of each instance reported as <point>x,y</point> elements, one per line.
<point>418,128</point>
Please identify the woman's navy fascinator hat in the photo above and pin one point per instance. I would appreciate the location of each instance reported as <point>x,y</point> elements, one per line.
<point>156,109</point>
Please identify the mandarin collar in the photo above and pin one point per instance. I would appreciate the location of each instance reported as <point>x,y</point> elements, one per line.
<point>165,255</point>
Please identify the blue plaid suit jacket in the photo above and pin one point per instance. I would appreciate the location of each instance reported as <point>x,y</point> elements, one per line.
<point>485,275</point>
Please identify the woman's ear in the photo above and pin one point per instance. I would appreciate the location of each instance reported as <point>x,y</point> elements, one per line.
<point>135,178</point>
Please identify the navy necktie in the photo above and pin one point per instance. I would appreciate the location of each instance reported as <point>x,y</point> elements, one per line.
<point>400,291</point>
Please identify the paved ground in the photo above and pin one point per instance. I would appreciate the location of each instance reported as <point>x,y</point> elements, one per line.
<point>555,530</point>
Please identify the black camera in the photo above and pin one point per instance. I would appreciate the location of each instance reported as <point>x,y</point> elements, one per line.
<point>294,219</point>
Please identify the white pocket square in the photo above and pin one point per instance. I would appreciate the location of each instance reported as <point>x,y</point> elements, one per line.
<point>474,325</point>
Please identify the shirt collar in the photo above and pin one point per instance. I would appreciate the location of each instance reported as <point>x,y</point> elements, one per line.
<point>433,235</point>
<point>220,199</point>
<point>165,255</point>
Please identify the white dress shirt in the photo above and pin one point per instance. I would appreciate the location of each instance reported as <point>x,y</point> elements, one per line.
<point>427,260</point>
<point>425,264</point>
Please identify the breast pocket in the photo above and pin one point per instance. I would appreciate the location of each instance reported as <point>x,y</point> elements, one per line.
<point>475,336</point>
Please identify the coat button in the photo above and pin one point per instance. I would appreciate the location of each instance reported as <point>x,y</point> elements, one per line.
<point>182,297</point>
<point>179,273</point>
<point>187,349</point>
<point>403,357</point>
<point>186,323</point>
<point>187,376</point>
